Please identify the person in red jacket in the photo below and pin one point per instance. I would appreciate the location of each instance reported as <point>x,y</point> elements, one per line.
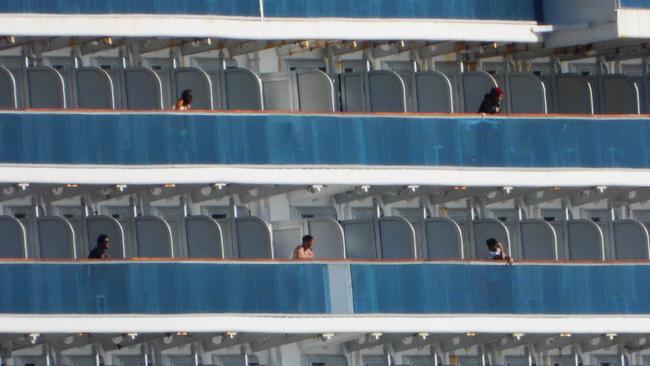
<point>492,102</point>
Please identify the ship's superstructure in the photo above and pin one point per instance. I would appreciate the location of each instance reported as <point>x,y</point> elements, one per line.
<point>352,121</point>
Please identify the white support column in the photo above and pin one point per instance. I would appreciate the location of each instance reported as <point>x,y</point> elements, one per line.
<point>440,357</point>
<point>470,245</point>
<point>96,354</point>
<point>144,354</point>
<point>276,356</point>
<point>483,361</point>
<point>602,71</point>
<point>611,253</point>
<point>646,80</point>
<point>510,67</point>
<point>566,216</point>
<point>244,355</point>
<point>516,241</point>
<point>460,69</point>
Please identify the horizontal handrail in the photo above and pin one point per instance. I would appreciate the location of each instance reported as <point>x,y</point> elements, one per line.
<point>303,113</point>
<point>560,262</point>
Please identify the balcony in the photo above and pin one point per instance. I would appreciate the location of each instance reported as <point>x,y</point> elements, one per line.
<point>129,287</point>
<point>445,9</point>
<point>529,10</point>
<point>113,138</point>
<point>635,4</point>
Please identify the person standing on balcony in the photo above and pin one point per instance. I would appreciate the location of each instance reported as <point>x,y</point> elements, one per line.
<point>184,103</point>
<point>101,250</point>
<point>304,251</point>
<point>496,251</point>
<point>492,102</point>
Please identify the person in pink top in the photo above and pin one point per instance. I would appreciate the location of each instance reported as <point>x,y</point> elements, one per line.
<point>304,251</point>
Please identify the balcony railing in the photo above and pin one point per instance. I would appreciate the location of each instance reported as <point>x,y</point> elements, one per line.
<point>635,3</point>
<point>448,9</point>
<point>444,9</point>
<point>309,288</point>
<point>471,141</point>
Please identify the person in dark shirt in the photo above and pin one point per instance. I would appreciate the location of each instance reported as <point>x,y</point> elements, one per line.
<point>101,250</point>
<point>492,102</point>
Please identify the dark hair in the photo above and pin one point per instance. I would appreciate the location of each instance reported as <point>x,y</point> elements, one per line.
<point>186,96</point>
<point>101,239</point>
<point>491,242</point>
<point>496,92</point>
<point>307,238</point>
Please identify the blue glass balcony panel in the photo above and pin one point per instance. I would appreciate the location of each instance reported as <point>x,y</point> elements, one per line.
<point>635,3</point>
<point>202,7</point>
<point>254,288</point>
<point>481,289</point>
<point>168,138</point>
<point>447,9</point>
<point>163,288</point>
<point>442,9</point>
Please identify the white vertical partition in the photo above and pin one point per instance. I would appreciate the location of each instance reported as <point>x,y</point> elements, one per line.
<point>396,238</point>
<point>525,93</point>
<point>55,238</point>
<point>153,237</point>
<point>616,94</point>
<point>142,89</point>
<point>569,94</point>
<point>443,239</point>
<point>8,99</point>
<point>353,97</point>
<point>631,240</point>
<point>386,92</point>
<point>372,91</point>
<point>304,90</point>
<point>538,240</point>
<point>585,240</point>
<point>644,98</point>
<point>203,237</point>
<point>253,238</point>
<point>45,88</point>
<point>93,89</point>
<point>240,89</point>
<point>360,241</point>
<point>13,238</point>
<point>430,92</point>
<point>382,238</point>
<point>315,91</point>
<point>280,92</point>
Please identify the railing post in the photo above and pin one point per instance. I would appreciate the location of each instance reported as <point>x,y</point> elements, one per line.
<point>566,216</point>
<point>261,2</point>
<point>646,80</point>
<point>471,245</point>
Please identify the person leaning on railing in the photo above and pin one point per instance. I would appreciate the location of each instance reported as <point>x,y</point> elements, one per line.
<point>304,251</point>
<point>492,102</point>
<point>101,250</point>
<point>496,251</point>
<point>184,103</point>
